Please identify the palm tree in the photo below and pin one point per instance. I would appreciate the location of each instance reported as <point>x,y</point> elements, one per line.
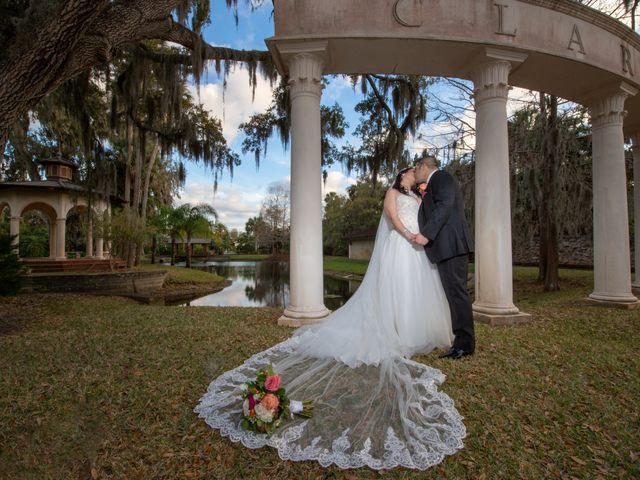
<point>175,220</point>
<point>197,222</point>
<point>159,221</point>
<point>190,220</point>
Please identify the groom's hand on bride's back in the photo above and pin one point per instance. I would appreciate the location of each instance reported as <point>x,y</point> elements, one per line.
<point>421,240</point>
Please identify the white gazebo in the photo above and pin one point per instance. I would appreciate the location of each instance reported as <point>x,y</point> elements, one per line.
<point>555,46</point>
<point>56,197</point>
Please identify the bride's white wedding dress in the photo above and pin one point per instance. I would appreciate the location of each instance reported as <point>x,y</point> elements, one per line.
<point>372,405</point>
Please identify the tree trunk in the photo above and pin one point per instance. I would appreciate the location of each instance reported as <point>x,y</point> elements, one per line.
<point>131,256</point>
<point>137,192</point>
<point>86,34</point>
<point>173,250</point>
<point>24,77</point>
<point>188,251</point>
<point>147,179</point>
<point>139,253</point>
<point>549,260</point>
<point>137,175</point>
<point>154,247</point>
<point>127,167</point>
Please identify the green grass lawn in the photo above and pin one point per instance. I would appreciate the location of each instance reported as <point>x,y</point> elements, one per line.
<point>345,265</point>
<point>247,257</point>
<point>102,387</point>
<point>181,275</point>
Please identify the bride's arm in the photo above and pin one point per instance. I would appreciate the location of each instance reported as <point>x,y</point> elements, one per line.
<point>391,210</point>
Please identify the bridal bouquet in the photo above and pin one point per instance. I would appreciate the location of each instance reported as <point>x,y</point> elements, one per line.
<point>266,403</point>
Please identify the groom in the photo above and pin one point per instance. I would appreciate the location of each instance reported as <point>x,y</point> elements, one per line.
<point>446,239</point>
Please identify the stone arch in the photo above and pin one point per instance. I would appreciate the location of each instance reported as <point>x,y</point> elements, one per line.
<point>46,208</point>
<point>78,234</point>
<point>76,209</point>
<point>555,46</point>
<point>5,204</point>
<point>76,205</point>
<point>14,220</point>
<point>50,214</point>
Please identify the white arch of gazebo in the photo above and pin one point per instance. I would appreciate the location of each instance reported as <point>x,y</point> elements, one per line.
<point>55,197</point>
<point>555,46</point>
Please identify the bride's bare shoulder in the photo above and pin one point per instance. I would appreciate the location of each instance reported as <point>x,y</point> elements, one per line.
<point>392,193</point>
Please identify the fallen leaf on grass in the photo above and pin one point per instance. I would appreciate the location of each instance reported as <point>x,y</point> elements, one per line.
<point>230,459</point>
<point>579,461</point>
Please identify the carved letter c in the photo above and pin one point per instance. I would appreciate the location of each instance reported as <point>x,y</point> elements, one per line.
<point>400,20</point>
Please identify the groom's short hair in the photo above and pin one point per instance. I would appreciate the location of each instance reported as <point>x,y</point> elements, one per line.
<point>428,160</point>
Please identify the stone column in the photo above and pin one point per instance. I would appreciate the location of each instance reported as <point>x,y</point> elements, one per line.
<point>611,256</point>
<point>61,226</point>
<point>105,221</point>
<point>635,146</point>
<point>493,255</point>
<point>306,299</point>
<point>52,238</point>
<point>100,231</point>
<point>14,229</point>
<point>99,253</point>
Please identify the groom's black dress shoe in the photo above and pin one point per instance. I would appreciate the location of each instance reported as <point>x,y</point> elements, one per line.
<point>455,353</point>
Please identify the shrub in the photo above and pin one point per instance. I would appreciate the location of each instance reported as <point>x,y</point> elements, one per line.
<point>11,270</point>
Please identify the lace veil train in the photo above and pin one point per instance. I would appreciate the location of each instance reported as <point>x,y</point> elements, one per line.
<point>372,406</point>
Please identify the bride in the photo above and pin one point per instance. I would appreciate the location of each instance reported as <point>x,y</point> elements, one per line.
<point>373,406</point>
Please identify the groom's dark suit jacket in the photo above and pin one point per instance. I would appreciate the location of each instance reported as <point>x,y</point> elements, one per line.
<point>441,219</point>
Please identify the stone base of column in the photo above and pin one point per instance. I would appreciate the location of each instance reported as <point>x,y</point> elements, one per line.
<point>299,316</point>
<point>496,319</point>
<point>623,302</point>
<point>496,315</point>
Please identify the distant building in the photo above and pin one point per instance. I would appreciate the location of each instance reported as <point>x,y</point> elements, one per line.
<point>361,244</point>
<point>204,242</point>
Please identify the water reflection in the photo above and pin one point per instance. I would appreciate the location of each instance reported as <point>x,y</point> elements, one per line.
<point>265,284</point>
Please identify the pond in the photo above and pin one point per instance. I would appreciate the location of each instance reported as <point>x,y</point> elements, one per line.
<point>265,284</point>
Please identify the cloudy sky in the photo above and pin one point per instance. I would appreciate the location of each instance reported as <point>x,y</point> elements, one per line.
<point>239,198</point>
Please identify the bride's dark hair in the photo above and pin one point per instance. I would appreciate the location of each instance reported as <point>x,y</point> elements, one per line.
<point>396,183</point>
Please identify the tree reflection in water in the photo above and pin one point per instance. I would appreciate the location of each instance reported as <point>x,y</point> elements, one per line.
<point>271,285</point>
<point>266,284</point>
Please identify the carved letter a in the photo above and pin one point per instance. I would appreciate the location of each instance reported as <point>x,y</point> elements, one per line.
<point>577,39</point>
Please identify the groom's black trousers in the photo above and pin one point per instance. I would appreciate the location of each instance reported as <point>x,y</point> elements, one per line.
<point>453,273</point>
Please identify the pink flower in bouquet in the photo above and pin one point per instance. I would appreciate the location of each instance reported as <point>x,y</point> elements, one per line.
<point>252,402</point>
<point>270,402</point>
<point>272,383</point>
